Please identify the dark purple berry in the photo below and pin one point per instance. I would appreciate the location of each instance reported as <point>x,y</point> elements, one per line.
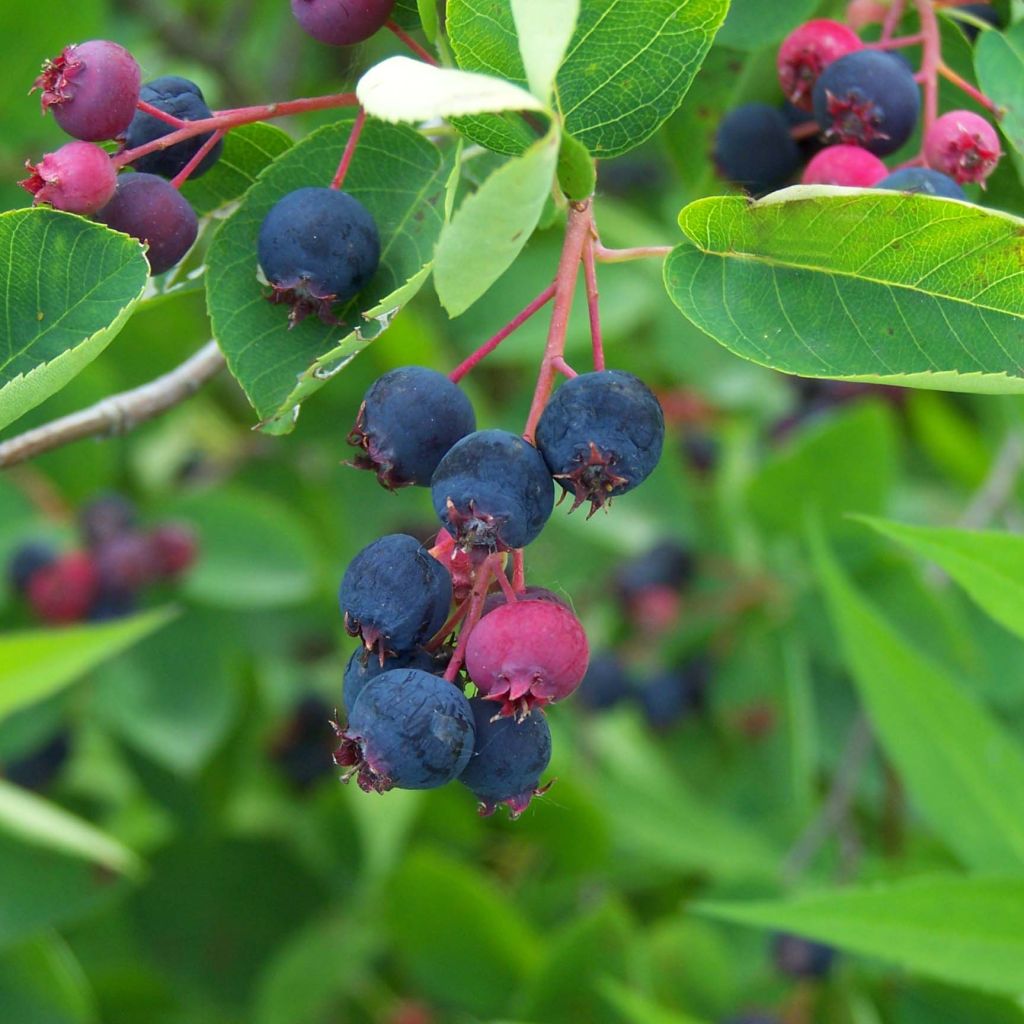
<point>493,490</point>
<point>601,435</point>
<point>78,178</point>
<point>303,745</point>
<point>152,210</point>
<point>126,563</point>
<point>342,22</point>
<point>797,957</point>
<point>112,605</point>
<point>318,247</point>
<point>92,89</point>
<point>408,421</point>
<point>508,758</point>
<point>986,13</point>
<point>867,99</point>
<point>667,564</point>
<point>700,451</point>
<point>38,768</point>
<point>26,561</point>
<point>408,730</point>
<point>922,181</point>
<point>672,695</point>
<point>754,148</point>
<point>606,683</point>
<point>106,517</point>
<point>181,99</point>
<point>361,669</point>
<point>394,595</point>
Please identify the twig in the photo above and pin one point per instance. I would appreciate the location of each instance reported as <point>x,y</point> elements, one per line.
<point>593,304</point>
<point>119,413</point>
<point>998,487</point>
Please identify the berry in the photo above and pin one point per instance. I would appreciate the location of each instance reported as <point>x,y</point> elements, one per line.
<point>529,593</point>
<point>408,730</point>
<point>807,144</point>
<point>700,451</point>
<point>601,435</point>
<point>845,165</point>
<point>181,99</point>
<point>26,561</point>
<point>867,99</point>
<point>922,180</point>
<point>78,178</point>
<point>605,684</point>
<point>807,51</point>
<point>64,590</point>
<point>408,421</point>
<point>39,767</point>
<point>92,89</point>
<point>493,490</point>
<point>318,246</point>
<point>963,146</point>
<point>361,669</point>
<point>175,548</point>
<point>113,605</point>
<point>106,517</point>
<point>303,745</point>
<point>670,696</point>
<point>394,596</point>
<point>667,564</point>
<point>797,957</point>
<point>152,210</point>
<point>342,22</point>
<point>125,563</point>
<point>983,12</point>
<point>754,148</point>
<point>508,759</point>
<point>527,654</point>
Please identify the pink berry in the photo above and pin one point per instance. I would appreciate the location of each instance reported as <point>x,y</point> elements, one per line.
<point>845,165</point>
<point>807,51</point>
<point>342,22</point>
<point>963,145</point>
<point>527,654</point>
<point>78,177</point>
<point>92,89</point>
<point>64,590</point>
<point>175,548</point>
<point>461,565</point>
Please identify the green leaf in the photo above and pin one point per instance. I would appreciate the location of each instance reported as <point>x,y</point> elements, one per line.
<point>965,931</point>
<point>41,982</point>
<point>628,66</point>
<point>999,63</point>
<point>69,286</point>
<point>960,767</point>
<point>577,174</point>
<point>883,287</point>
<point>37,663</point>
<point>403,181</point>
<point>493,224</point>
<point>987,564</point>
<point>247,150</point>
<point>753,24</point>
<point>544,28</point>
<point>428,18</point>
<point>638,1009</point>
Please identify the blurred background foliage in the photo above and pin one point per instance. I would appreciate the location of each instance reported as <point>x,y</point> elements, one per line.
<point>260,890</point>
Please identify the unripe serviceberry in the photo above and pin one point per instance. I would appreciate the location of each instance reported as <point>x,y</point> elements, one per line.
<point>79,178</point>
<point>527,654</point>
<point>851,166</point>
<point>807,51</point>
<point>175,548</point>
<point>923,181</point>
<point>92,89</point>
<point>963,146</point>
<point>754,148</point>
<point>64,590</point>
<point>342,22</point>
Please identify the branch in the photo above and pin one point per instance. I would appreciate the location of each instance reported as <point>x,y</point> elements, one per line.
<point>998,488</point>
<point>119,413</point>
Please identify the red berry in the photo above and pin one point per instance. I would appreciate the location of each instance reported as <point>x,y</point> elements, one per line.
<point>78,177</point>
<point>807,51</point>
<point>65,590</point>
<point>962,145</point>
<point>845,165</point>
<point>527,654</point>
<point>175,548</point>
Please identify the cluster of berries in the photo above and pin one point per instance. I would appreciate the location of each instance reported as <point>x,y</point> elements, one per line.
<point>431,622</point>
<point>860,102</point>
<point>106,576</point>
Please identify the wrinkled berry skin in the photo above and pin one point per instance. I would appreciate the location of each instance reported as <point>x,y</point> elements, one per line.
<point>408,730</point>
<point>38,768</point>
<point>867,99</point>
<point>922,181</point>
<point>26,561</point>
<point>91,88</point>
<point>318,247</point>
<point>754,148</point>
<point>797,957</point>
<point>606,683</point>
<point>493,490</point>
<point>65,590</point>
<point>181,99</point>
<point>152,210</point>
<point>342,22</point>
<point>394,596</point>
<point>601,435</point>
<point>850,166</point>
<point>105,517</point>
<point>508,759</point>
<point>77,178</point>
<point>408,421</point>
<point>361,669</point>
<point>527,654</point>
<point>807,51</point>
<point>963,146</point>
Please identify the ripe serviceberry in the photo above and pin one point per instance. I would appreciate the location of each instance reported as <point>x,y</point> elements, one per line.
<point>126,563</point>
<point>152,210</point>
<point>754,148</point>
<point>700,451</point>
<point>105,517</point>
<point>175,548</point>
<point>508,759</point>
<point>408,421</point>
<point>808,135</point>
<point>317,247</point>
<point>924,181</point>
<point>38,768</point>
<point>851,166</point>
<point>303,744</point>
<point>408,730</point>
<point>181,99</point>
<point>527,654</point>
<point>394,596</point>
<point>64,590</point>
<point>78,178</point>
<point>342,22</point>
<point>606,683</point>
<point>797,957</point>
<point>807,51</point>
<point>668,697</point>
<point>868,99</point>
<point>601,435</point>
<point>113,605</point>
<point>92,89</point>
<point>26,561</point>
<point>963,146</point>
<point>493,491</point>
<point>361,669</point>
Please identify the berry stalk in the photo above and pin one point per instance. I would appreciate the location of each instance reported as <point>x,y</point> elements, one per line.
<point>161,115</point>
<point>400,33</point>
<point>593,303</point>
<point>200,154</point>
<point>350,148</point>
<point>931,58</point>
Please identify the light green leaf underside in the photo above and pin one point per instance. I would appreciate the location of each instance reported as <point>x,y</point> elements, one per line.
<point>68,286</point>
<point>999,63</point>
<point>837,283</point>
<point>544,28</point>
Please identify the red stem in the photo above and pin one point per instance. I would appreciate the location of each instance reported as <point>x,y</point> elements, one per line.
<point>892,19</point>
<point>518,571</point>
<point>410,42</point>
<point>474,609</point>
<point>640,252</point>
<point>350,148</point>
<point>160,115</point>
<point>931,58</point>
<point>976,94</point>
<point>562,367</point>
<point>896,43</point>
<point>593,306</point>
<point>200,154</point>
<point>506,588</point>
